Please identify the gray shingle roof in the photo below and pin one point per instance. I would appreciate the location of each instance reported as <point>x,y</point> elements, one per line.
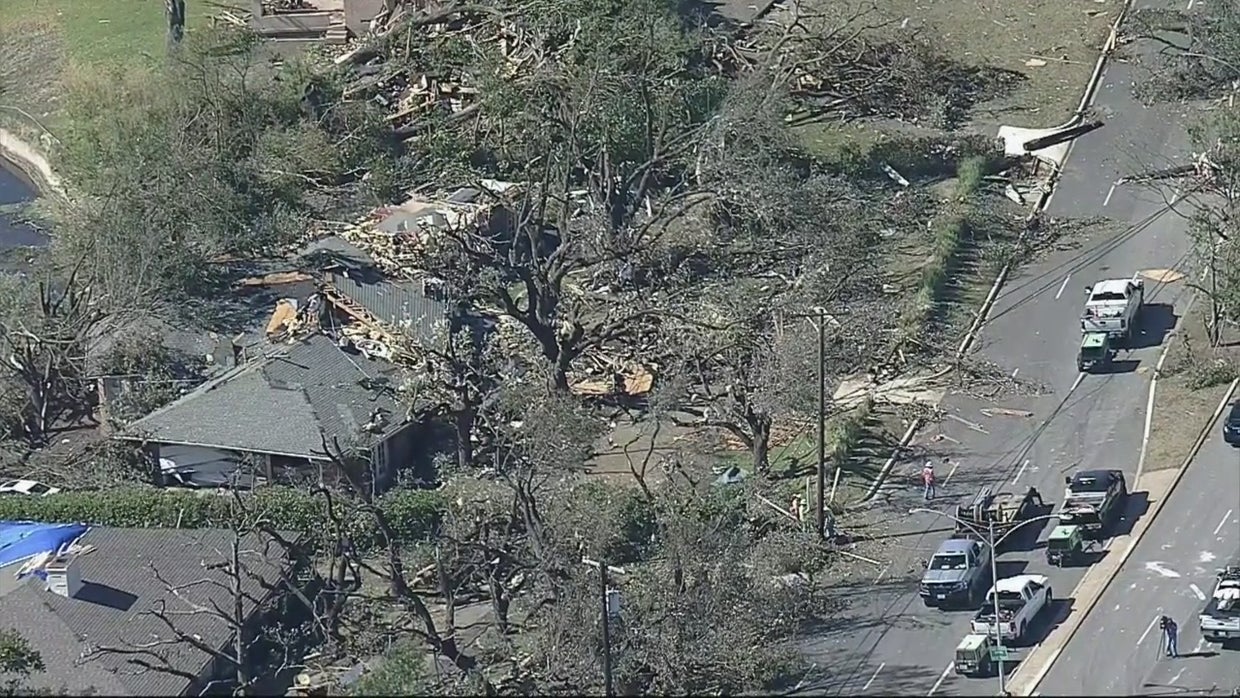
<point>113,609</point>
<point>284,403</point>
<point>397,303</point>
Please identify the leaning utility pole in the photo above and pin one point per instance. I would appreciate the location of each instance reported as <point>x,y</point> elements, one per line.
<point>822,424</point>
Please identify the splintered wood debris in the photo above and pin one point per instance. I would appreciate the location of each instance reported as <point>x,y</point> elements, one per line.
<point>1005,412</point>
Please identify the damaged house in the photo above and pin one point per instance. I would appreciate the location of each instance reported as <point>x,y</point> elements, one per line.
<point>325,375</point>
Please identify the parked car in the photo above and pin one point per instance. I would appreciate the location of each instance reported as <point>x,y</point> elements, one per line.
<point>1231,425</point>
<point>30,487</point>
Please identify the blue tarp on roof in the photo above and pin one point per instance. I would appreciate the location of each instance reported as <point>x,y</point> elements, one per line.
<point>22,540</point>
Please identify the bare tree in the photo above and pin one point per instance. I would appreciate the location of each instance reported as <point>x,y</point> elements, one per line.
<point>240,583</point>
<point>46,343</point>
<point>1196,56</point>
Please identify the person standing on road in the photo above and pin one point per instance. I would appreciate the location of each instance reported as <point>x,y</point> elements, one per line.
<point>1171,633</point>
<point>927,479</point>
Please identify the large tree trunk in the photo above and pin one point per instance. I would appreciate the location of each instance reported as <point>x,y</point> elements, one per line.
<point>464,424</point>
<point>760,448</point>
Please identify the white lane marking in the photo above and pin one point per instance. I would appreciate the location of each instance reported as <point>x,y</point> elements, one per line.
<point>1219,527</point>
<point>1015,371</point>
<point>1153,622</point>
<point>1062,286</point>
<point>1200,644</point>
<point>1157,567</point>
<point>1021,471</point>
<point>1190,5</point>
<point>1201,596</point>
<point>938,683</point>
<point>1205,556</point>
<point>953,472</point>
<point>1149,416</point>
<point>866,687</point>
<point>1181,671</point>
<point>1113,184</point>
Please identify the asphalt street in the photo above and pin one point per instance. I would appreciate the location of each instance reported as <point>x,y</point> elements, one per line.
<point>1116,651</point>
<point>890,643</point>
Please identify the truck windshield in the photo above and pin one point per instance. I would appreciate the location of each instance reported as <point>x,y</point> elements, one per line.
<point>949,562</point>
<point>1106,297</point>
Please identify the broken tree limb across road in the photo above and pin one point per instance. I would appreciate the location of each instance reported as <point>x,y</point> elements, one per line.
<point>1061,136</point>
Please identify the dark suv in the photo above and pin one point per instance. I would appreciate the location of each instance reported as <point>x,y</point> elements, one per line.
<point>1231,426</point>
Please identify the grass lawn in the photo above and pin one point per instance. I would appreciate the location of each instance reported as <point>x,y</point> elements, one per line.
<point>95,32</point>
<point>46,42</point>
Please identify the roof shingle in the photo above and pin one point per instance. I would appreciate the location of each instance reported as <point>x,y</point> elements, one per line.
<point>285,403</point>
<point>114,609</point>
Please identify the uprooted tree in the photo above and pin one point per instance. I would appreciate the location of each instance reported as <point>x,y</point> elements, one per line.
<point>1195,54</point>
<point>217,155</point>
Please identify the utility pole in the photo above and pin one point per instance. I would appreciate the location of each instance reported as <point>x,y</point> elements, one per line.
<point>994,580</point>
<point>822,424</point>
<point>603,568</point>
<point>606,615</point>
<point>1215,333</point>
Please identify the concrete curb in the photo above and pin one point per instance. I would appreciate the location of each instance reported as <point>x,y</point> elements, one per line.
<point>1048,189</point>
<point>1076,619</point>
<point>30,163</point>
<point>1149,406</point>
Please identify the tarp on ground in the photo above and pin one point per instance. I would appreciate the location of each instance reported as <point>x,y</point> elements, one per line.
<point>22,540</point>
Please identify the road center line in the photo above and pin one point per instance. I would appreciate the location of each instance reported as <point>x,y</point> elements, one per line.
<point>1112,189</point>
<point>953,472</point>
<point>1062,286</point>
<point>1149,628</point>
<point>1021,471</point>
<point>938,683</point>
<point>1197,590</point>
<point>866,687</point>
<point>1219,527</point>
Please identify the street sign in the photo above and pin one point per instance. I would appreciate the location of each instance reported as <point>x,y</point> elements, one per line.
<point>999,653</point>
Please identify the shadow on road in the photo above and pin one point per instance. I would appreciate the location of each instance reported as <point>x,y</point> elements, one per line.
<point>1117,367</point>
<point>876,680</point>
<point>1156,321</point>
<point>1010,568</point>
<point>1137,505</point>
<point>1048,620</point>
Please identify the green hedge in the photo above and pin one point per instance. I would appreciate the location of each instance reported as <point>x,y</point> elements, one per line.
<point>949,232</point>
<point>413,514</point>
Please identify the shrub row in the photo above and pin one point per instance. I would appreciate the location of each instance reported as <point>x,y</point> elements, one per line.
<point>915,157</point>
<point>413,514</point>
<point>846,432</point>
<point>948,236</point>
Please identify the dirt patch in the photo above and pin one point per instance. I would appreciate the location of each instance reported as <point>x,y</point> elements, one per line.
<point>1194,379</point>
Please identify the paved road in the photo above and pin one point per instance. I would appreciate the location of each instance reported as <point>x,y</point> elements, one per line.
<point>893,644</point>
<point>1116,650</point>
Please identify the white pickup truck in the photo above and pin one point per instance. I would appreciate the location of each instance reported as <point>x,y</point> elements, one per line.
<point>1220,620</point>
<point>1113,306</point>
<point>1021,599</point>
